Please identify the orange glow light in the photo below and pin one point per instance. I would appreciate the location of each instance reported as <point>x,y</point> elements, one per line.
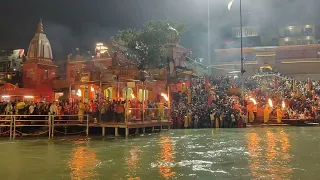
<point>79,93</point>
<point>253,100</point>
<point>270,102</point>
<point>283,104</point>
<point>165,96</point>
<point>92,89</point>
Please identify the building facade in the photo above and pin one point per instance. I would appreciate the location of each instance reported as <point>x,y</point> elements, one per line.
<point>300,61</point>
<point>297,35</point>
<point>10,65</point>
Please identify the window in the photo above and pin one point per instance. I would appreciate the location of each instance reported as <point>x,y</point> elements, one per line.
<point>299,42</point>
<point>287,33</point>
<point>46,74</point>
<point>307,42</point>
<point>308,31</point>
<point>289,43</point>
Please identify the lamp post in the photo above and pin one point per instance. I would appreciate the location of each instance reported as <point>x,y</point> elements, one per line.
<point>241,53</point>
<point>241,48</point>
<point>209,38</point>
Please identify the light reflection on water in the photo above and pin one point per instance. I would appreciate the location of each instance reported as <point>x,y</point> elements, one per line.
<point>252,153</point>
<point>166,157</point>
<point>269,156</point>
<point>82,162</point>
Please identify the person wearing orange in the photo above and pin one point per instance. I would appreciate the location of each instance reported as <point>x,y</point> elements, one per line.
<point>279,114</point>
<point>266,113</point>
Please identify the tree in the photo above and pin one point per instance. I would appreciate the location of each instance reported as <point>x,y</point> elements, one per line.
<point>147,46</point>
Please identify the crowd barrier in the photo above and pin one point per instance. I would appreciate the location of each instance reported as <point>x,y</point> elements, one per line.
<point>148,114</point>
<point>11,125</point>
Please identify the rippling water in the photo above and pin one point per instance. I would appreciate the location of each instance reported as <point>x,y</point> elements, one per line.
<point>251,153</point>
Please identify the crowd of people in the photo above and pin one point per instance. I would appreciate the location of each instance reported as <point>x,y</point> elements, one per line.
<point>105,111</point>
<point>214,102</point>
<point>219,102</point>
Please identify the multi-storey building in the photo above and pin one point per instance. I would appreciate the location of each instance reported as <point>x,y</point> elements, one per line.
<point>10,64</point>
<point>297,35</point>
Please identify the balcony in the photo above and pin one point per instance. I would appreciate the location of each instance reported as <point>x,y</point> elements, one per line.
<point>297,31</point>
<point>288,41</point>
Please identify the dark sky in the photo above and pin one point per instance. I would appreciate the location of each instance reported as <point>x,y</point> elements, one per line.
<point>81,23</point>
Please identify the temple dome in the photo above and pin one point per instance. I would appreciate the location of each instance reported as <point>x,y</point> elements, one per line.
<point>39,48</point>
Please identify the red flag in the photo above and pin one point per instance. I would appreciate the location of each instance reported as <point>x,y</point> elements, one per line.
<point>309,84</point>
<point>206,82</point>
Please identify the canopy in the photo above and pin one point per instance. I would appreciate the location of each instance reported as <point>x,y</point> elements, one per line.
<point>13,90</point>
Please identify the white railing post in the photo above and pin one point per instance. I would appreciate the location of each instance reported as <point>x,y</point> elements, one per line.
<point>11,122</point>
<point>87,130</point>
<point>49,127</point>
<point>14,127</point>
<point>52,124</point>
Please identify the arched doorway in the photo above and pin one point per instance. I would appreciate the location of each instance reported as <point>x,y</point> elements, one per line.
<point>129,91</point>
<point>108,93</point>
<point>140,95</point>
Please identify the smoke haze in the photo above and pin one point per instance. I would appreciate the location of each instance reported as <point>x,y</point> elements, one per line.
<point>81,23</point>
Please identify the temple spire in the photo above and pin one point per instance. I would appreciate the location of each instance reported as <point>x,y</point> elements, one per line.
<point>40,27</point>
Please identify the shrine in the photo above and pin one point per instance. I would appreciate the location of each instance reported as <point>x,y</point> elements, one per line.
<point>38,68</point>
<point>38,72</point>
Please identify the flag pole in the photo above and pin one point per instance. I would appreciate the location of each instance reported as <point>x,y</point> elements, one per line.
<point>241,54</point>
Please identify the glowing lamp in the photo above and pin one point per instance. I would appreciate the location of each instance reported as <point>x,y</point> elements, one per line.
<point>253,100</point>
<point>92,89</point>
<point>79,93</point>
<point>165,96</point>
<point>270,102</point>
<point>283,104</point>
<point>6,96</point>
<point>28,97</point>
<point>132,96</point>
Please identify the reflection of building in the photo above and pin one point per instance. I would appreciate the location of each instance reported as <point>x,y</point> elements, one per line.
<point>297,35</point>
<point>300,61</point>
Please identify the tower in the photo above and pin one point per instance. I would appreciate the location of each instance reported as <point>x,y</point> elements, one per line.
<point>38,68</point>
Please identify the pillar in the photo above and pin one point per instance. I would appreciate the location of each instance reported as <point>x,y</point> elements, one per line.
<point>152,130</point>
<point>116,131</point>
<point>137,130</point>
<point>143,130</point>
<point>103,131</point>
<point>127,132</point>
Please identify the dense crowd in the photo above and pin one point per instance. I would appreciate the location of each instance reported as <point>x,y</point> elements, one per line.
<point>105,111</point>
<point>214,102</point>
<point>218,102</point>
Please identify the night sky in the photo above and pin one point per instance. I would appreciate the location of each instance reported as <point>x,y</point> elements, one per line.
<point>80,24</point>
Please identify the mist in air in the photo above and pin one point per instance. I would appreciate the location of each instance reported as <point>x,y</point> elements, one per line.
<point>71,25</point>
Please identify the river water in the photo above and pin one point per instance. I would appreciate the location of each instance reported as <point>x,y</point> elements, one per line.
<point>250,153</point>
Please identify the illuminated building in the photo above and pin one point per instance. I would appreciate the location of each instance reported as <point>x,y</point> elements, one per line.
<point>10,65</point>
<point>295,52</point>
<point>38,72</point>
<point>116,77</point>
<point>299,61</point>
<point>297,35</point>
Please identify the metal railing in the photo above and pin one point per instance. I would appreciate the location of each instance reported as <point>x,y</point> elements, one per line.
<point>12,124</point>
<point>148,114</point>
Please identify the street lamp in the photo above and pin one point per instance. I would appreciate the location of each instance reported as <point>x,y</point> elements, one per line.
<point>209,37</point>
